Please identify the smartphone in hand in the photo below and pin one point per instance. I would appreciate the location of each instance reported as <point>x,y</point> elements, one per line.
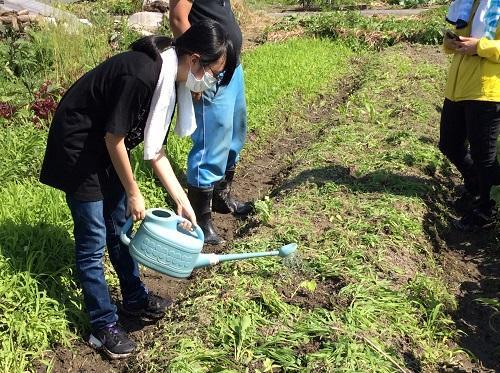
<point>450,34</point>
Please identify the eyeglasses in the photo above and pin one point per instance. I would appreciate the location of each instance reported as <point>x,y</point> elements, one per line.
<point>217,76</point>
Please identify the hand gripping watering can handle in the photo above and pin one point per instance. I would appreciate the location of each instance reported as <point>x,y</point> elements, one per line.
<point>123,234</point>
<point>197,233</point>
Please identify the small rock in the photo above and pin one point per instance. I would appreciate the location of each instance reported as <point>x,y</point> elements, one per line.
<point>145,33</point>
<point>118,19</point>
<point>149,21</point>
<point>160,6</point>
<point>85,22</point>
<point>26,18</point>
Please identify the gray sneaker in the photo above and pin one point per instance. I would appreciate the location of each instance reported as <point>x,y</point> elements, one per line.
<point>113,341</point>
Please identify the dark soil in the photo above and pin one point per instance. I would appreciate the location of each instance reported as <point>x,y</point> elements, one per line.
<point>82,358</point>
<point>325,295</point>
<point>473,263</point>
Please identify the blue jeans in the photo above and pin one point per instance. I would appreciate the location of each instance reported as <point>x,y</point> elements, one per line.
<point>221,120</point>
<point>97,225</point>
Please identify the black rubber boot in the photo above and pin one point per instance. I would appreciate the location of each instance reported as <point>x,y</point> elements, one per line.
<point>223,203</point>
<point>481,218</point>
<point>201,201</point>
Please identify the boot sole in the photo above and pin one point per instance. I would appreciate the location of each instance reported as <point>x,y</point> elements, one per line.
<point>143,313</point>
<point>114,356</point>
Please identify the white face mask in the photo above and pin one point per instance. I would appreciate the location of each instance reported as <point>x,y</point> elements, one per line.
<point>200,85</point>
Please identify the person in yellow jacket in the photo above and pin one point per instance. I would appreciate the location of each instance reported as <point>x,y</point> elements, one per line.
<point>470,119</point>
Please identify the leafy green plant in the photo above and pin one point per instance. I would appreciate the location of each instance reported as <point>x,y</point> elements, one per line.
<point>124,6</point>
<point>263,208</point>
<point>22,62</point>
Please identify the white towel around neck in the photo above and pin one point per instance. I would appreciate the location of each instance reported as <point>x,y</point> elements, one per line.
<point>163,105</point>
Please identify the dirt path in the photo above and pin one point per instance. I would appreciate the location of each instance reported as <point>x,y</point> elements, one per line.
<point>365,12</point>
<point>473,264</point>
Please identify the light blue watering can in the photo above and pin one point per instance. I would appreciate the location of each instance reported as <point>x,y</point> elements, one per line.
<point>162,245</point>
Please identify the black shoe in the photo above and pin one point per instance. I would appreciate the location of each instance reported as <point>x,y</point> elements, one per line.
<point>466,202</point>
<point>478,219</point>
<point>223,202</point>
<point>154,308</point>
<point>113,341</point>
<point>201,201</point>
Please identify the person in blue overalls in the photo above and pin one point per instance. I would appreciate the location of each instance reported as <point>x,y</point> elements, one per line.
<point>221,123</point>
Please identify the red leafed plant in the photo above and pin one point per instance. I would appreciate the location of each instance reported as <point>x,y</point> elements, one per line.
<point>45,103</point>
<point>6,110</point>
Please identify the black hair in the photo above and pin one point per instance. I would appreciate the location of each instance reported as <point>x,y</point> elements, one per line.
<point>206,38</point>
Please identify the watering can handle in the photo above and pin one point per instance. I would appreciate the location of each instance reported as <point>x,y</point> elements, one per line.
<point>198,233</point>
<point>123,234</point>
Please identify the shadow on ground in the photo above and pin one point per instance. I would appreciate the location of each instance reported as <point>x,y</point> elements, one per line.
<point>383,181</point>
<point>477,257</point>
<point>471,261</point>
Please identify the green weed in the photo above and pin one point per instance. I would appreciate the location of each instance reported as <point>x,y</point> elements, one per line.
<point>361,32</point>
<point>39,296</point>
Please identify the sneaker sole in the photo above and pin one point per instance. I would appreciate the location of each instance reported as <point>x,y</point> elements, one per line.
<point>97,345</point>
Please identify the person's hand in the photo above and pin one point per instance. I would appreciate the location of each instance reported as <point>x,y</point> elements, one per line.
<point>135,206</point>
<point>196,96</point>
<point>467,46</point>
<point>185,210</point>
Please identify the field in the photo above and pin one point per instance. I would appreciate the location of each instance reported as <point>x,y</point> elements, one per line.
<point>341,158</point>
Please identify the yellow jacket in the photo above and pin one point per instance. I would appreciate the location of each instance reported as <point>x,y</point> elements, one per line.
<point>475,77</point>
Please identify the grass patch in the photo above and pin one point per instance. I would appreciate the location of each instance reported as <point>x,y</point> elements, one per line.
<point>277,77</point>
<point>373,32</point>
<point>38,294</point>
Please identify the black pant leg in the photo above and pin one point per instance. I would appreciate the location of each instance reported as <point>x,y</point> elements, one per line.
<point>483,127</point>
<point>453,142</point>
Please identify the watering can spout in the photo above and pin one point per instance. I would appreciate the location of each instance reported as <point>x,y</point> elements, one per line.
<point>205,260</point>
